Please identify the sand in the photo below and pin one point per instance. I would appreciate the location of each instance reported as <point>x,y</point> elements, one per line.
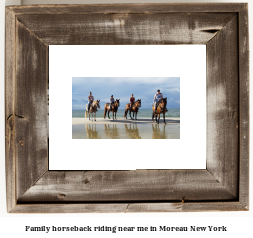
<point>78,121</point>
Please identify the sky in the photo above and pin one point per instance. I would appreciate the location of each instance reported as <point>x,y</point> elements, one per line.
<point>143,88</point>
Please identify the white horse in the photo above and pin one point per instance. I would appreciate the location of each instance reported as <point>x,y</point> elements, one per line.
<point>93,109</point>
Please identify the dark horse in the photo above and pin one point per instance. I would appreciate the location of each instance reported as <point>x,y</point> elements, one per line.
<point>161,109</point>
<point>135,109</point>
<point>114,108</point>
<point>93,109</point>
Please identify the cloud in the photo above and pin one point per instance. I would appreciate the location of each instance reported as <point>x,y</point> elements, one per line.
<point>122,88</point>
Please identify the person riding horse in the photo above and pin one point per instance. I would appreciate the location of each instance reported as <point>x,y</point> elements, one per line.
<point>132,101</point>
<point>158,96</point>
<point>90,100</point>
<point>112,107</point>
<point>111,101</point>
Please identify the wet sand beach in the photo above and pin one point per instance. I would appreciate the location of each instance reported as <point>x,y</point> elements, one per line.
<point>143,128</point>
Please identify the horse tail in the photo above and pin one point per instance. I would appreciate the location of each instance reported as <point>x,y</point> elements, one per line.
<point>125,113</point>
<point>105,113</point>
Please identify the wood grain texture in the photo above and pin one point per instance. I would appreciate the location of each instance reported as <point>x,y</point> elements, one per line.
<point>129,207</point>
<point>244,106</point>
<point>139,185</point>
<point>10,64</point>
<point>120,29</point>
<point>155,8</point>
<point>223,107</point>
<point>30,108</point>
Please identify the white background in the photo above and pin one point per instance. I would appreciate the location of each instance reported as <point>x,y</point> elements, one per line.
<point>239,223</point>
<point>184,61</point>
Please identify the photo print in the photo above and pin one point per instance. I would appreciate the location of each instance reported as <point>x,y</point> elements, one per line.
<point>126,107</point>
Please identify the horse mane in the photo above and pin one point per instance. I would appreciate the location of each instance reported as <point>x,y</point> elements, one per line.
<point>117,100</point>
<point>163,100</point>
<point>95,101</point>
<point>139,100</point>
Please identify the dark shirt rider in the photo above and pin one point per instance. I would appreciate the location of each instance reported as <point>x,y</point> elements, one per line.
<point>132,100</point>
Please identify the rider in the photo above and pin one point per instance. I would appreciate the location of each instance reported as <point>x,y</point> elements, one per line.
<point>131,100</point>
<point>111,101</point>
<point>90,100</point>
<point>158,96</point>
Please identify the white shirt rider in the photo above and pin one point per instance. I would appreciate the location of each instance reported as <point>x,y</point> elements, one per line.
<point>158,96</point>
<point>90,100</point>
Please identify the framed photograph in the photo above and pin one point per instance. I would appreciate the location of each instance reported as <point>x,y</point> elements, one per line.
<point>62,59</point>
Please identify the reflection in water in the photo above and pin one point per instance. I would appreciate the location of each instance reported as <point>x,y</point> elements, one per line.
<point>111,131</point>
<point>158,133</point>
<point>132,131</point>
<point>126,131</point>
<point>92,132</point>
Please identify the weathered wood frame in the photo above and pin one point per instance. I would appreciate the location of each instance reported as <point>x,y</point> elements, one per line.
<point>222,186</point>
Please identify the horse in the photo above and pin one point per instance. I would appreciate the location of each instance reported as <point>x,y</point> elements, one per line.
<point>114,108</point>
<point>135,109</point>
<point>161,109</point>
<point>93,109</point>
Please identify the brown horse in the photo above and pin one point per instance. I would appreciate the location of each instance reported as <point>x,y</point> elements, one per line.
<point>135,109</point>
<point>161,109</point>
<point>113,109</point>
<point>93,109</point>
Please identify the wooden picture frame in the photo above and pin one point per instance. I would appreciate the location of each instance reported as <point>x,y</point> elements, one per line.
<point>222,186</point>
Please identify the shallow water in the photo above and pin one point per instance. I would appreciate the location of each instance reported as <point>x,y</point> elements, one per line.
<point>126,131</point>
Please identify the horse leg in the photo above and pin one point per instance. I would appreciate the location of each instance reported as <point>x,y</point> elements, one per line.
<point>152,116</point>
<point>164,118</point>
<point>95,116</point>
<point>158,119</point>
<point>115,116</point>
<point>108,114</point>
<point>136,116</point>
